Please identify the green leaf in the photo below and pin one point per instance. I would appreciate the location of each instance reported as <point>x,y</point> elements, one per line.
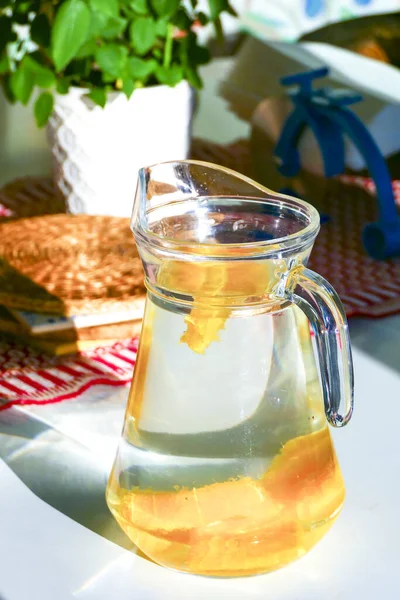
<point>78,69</point>
<point>40,30</point>
<point>191,54</point>
<point>112,59</point>
<point>106,27</point>
<point>43,77</point>
<point>87,49</point>
<point>143,34</point>
<point>22,7</point>
<point>218,30</point>
<point>43,108</point>
<point>128,87</point>
<point>162,27</point>
<point>6,33</point>
<point>5,83</point>
<point>140,68</point>
<point>70,29</point>
<point>62,85</point>
<point>194,78</point>
<point>98,22</point>
<point>202,18</point>
<point>169,76</point>
<point>105,78</point>
<point>21,82</point>
<point>202,55</point>
<point>219,6</point>
<point>108,7</point>
<point>197,55</point>
<point>99,96</point>
<point>182,20</point>
<point>139,6</point>
<point>114,28</point>
<point>4,64</point>
<point>165,8</point>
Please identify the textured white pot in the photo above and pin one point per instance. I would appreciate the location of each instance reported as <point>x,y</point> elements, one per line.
<point>97,152</point>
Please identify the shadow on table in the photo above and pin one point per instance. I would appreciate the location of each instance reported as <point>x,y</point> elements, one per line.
<point>59,471</point>
<point>379,338</point>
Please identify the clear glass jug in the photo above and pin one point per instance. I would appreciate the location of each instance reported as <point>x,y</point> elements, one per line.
<point>226,465</point>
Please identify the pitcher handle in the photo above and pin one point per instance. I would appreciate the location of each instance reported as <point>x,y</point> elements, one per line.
<point>324,309</point>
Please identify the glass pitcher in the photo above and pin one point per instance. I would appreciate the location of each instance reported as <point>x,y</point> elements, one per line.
<point>226,465</point>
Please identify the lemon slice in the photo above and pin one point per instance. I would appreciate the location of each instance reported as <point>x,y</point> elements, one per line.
<point>215,287</point>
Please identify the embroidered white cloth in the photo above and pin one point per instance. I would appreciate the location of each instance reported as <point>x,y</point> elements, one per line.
<point>287,20</point>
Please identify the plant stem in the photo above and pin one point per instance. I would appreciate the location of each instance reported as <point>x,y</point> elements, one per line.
<point>168,46</point>
<point>218,30</point>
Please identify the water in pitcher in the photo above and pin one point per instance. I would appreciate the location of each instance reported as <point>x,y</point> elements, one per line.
<point>226,466</point>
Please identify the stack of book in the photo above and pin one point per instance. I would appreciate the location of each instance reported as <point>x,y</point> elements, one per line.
<point>69,283</point>
<point>60,335</point>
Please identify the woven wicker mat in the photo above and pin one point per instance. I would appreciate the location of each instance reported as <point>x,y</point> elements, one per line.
<point>366,286</point>
<point>70,264</point>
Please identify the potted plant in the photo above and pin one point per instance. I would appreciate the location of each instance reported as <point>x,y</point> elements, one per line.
<point>113,79</point>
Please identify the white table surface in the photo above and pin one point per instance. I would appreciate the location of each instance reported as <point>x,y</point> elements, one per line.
<point>46,555</point>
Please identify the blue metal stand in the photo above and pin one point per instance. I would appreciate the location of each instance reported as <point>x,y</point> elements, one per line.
<point>325,111</point>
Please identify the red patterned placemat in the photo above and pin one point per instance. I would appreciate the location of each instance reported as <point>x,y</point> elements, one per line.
<point>28,377</point>
<point>366,286</point>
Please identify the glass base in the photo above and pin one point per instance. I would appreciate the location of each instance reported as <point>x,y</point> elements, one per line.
<point>228,556</point>
<point>241,526</point>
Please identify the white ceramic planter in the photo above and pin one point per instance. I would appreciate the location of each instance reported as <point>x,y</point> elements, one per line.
<point>97,152</point>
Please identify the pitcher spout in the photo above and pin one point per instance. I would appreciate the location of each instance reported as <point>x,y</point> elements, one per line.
<point>188,204</point>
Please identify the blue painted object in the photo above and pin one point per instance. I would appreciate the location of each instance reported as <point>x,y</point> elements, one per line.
<point>326,112</point>
<point>312,8</point>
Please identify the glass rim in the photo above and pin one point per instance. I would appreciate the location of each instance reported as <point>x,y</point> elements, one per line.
<point>289,243</point>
